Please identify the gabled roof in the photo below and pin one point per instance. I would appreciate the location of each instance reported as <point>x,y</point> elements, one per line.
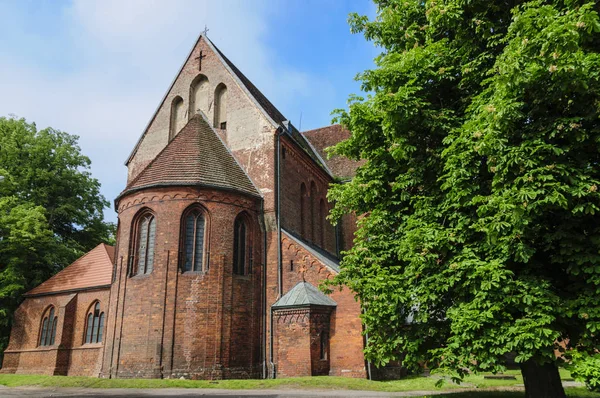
<point>326,137</point>
<point>273,115</point>
<point>323,256</point>
<point>304,295</point>
<point>195,157</point>
<point>93,269</point>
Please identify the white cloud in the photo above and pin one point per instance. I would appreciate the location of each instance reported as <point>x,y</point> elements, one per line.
<point>127,53</point>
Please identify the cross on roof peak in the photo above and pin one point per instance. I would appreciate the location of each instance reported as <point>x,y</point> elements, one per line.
<point>205,31</point>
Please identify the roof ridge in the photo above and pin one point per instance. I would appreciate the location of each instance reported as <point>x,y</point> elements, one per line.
<point>304,294</point>
<point>321,128</point>
<point>207,121</point>
<point>196,156</point>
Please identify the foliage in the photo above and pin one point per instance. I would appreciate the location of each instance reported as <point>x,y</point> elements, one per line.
<point>479,233</point>
<point>51,210</point>
<point>585,367</point>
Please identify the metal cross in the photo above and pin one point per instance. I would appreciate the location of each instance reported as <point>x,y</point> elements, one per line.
<point>199,58</point>
<point>205,31</point>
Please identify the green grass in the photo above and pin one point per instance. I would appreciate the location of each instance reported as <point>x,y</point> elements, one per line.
<point>412,383</point>
<point>325,382</point>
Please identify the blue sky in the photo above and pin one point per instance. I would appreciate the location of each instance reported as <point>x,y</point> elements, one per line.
<point>98,68</point>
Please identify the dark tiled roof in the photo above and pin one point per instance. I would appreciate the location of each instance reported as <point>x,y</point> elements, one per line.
<point>323,256</point>
<point>269,108</point>
<point>329,136</point>
<point>196,156</point>
<point>304,295</point>
<point>93,269</point>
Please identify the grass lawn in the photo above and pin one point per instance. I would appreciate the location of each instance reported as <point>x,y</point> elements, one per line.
<point>326,382</point>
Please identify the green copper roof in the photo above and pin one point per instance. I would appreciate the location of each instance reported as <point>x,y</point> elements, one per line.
<point>304,295</point>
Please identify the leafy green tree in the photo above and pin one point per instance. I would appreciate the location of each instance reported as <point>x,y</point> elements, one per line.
<point>51,210</point>
<point>480,229</point>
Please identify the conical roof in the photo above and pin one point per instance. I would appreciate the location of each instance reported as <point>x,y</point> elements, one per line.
<point>304,295</point>
<point>93,269</point>
<point>196,157</point>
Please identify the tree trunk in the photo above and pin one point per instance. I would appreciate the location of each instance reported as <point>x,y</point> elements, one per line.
<point>541,381</point>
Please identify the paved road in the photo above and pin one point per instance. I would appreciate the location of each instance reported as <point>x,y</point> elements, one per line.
<point>37,392</point>
<point>23,392</point>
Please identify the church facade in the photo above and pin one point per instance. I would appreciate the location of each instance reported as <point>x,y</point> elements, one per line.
<point>222,243</point>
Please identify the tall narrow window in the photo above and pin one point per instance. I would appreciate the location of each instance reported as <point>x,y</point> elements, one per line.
<point>313,211</point>
<point>193,240</point>
<point>177,117</point>
<point>95,324</point>
<point>303,212</point>
<point>198,96</point>
<point>143,250</point>
<point>323,346</point>
<point>240,247</point>
<point>49,323</point>
<point>221,107</point>
<point>322,223</point>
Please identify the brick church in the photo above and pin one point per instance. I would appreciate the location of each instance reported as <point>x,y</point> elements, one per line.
<point>222,242</point>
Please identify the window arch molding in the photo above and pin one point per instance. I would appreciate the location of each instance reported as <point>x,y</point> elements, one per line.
<point>199,89</point>
<point>220,108</point>
<point>94,324</point>
<point>48,325</point>
<point>242,244</point>
<point>177,116</point>
<point>142,243</point>
<point>194,247</point>
<point>314,211</point>
<point>304,213</point>
<point>322,221</point>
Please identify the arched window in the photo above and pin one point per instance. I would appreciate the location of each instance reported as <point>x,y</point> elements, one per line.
<point>241,252</point>
<point>194,227</point>
<point>303,212</point>
<point>143,244</point>
<point>198,96</point>
<point>221,107</point>
<point>177,117</point>
<point>94,325</point>
<point>313,211</point>
<point>322,215</point>
<point>48,332</point>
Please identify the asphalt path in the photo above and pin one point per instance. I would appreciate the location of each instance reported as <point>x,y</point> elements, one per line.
<point>38,392</point>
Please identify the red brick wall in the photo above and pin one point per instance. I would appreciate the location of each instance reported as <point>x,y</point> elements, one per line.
<point>297,168</point>
<point>186,324</point>
<point>68,355</point>
<point>292,343</point>
<point>346,340</point>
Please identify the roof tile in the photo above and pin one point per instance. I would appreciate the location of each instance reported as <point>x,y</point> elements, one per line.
<point>195,156</point>
<point>325,137</point>
<point>93,269</point>
<point>304,295</point>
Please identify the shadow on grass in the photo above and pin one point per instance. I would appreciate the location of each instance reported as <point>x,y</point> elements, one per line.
<point>571,393</point>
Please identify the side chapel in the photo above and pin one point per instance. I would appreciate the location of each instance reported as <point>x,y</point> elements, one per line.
<point>222,242</point>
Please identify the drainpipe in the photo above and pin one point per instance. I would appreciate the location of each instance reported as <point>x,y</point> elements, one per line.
<point>279,270</point>
<point>278,190</point>
<point>264,290</point>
